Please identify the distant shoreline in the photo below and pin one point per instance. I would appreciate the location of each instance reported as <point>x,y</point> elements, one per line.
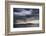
<point>25,25</point>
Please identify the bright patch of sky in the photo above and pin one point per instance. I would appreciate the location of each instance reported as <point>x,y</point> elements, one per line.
<point>23,13</point>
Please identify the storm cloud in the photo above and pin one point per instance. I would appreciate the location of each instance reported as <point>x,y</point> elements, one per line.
<point>23,13</point>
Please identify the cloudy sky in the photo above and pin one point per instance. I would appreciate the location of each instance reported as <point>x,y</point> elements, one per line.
<point>23,12</point>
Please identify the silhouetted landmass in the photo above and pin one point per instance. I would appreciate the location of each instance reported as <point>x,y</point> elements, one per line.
<point>25,25</point>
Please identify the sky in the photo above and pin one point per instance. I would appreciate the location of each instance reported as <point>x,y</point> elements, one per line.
<point>24,12</point>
